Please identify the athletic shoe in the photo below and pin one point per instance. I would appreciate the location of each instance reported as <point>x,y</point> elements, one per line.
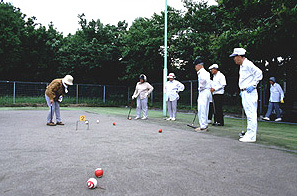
<point>209,121</point>
<point>137,118</point>
<point>278,119</point>
<point>50,124</point>
<point>168,118</point>
<point>266,118</point>
<point>144,118</point>
<point>59,123</point>
<point>201,130</point>
<point>173,119</point>
<point>246,139</point>
<point>217,124</point>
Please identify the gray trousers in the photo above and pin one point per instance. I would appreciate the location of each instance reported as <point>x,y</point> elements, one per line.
<point>141,105</point>
<point>55,110</point>
<point>171,106</point>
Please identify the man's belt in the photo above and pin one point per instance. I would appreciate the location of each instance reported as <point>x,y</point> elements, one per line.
<point>244,89</point>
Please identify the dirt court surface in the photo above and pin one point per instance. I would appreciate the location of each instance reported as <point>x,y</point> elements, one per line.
<point>36,159</point>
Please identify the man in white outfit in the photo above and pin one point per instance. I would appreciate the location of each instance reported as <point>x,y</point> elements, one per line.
<point>172,88</point>
<point>249,77</point>
<point>204,84</point>
<point>217,89</point>
<point>142,91</point>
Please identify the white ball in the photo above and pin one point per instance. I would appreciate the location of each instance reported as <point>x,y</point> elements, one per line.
<point>87,122</point>
<point>97,121</point>
<point>92,183</point>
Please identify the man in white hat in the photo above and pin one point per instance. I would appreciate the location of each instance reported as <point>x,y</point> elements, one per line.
<point>217,89</point>
<point>172,88</point>
<point>276,95</point>
<point>54,94</point>
<point>142,91</point>
<point>249,77</point>
<point>204,85</point>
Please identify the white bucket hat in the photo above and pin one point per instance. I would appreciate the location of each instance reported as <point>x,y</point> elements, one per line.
<point>214,66</point>
<point>171,75</point>
<point>68,79</point>
<point>238,52</point>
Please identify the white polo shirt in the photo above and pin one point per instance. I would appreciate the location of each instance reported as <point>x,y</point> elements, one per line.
<point>218,83</point>
<point>276,93</point>
<point>204,81</point>
<point>249,74</point>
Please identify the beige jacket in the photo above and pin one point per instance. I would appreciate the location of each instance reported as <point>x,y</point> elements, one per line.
<point>143,90</point>
<point>55,89</point>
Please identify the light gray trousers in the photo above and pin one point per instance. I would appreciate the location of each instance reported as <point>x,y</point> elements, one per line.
<point>55,110</point>
<point>171,106</point>
<point>141,105</point>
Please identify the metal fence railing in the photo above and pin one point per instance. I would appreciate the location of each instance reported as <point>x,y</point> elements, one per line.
<point>16,92</point>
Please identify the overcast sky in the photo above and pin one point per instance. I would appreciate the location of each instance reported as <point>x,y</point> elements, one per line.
<point>63,13</point>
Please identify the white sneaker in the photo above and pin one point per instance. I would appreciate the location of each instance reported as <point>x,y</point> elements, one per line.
<point>173,119</point>
<point>168,118</point>
<point>278,119</point>
<point>246,139</point>
<point>137,118</point>
<point>144,118</point>
<point>208,121</point>
<point>266,118</point>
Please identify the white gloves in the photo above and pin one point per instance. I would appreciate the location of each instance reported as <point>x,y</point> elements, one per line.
<point>146,94</point>
<point>60,99</point>
<point>133,97</point>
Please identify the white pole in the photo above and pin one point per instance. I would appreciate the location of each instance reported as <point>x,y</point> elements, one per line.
<point>165,61</point>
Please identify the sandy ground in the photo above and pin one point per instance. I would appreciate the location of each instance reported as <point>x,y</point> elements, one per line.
<point>36,159</point>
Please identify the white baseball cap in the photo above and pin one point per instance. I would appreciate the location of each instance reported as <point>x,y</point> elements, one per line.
<point>171,75</point>
<point>213,66</point>
<point>68,79</point>
<point>238,52</point>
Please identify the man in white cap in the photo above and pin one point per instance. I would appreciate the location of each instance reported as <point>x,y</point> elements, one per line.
<point>276,95</point>
<point>142,91</point>
<point>204,94</point>
<point>172,88</point>
<point>217,89</point>
<point>249,77</point>
<point>54,94</point>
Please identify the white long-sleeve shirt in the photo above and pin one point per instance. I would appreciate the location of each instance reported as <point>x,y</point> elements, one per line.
<point>276,93</point>
<point>143,90</point>
<point>204,81</point>
<point>249,74</point>
<point>172,88</point>
<point>218,83</point>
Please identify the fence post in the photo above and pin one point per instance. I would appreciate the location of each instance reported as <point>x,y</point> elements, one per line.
<point>104,94</point>
<point>128,93</point>
<point>76,93</point>
<point>261,98</point>
<point>191,94</point>
<point>13,92</point>
<point>152,96</point>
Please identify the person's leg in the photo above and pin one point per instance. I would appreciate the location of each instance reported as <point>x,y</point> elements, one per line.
<point>138,107</point>
<point>277,110</point>
<point>57,111</point>
<point>174,106</point>
<point>249,102</point>
<point>144,107</point>
<point>203,107</point>
<point>169,107</point>
<point>219,108</point>
<point>210,111</point>
<point>50,113</point>
<point>269,110</point>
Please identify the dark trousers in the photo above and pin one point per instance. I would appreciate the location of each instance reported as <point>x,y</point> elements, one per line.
<point>272,105</point>
<point>210,111</point>
<point>218,105</point>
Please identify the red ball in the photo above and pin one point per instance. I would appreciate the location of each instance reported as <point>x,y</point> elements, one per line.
<point>98,172</point>
<point>160,130</point>
<point>113,123</point>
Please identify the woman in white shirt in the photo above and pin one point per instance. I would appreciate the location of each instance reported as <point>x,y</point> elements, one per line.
<point>142,91</point>
<point>172,88</point>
